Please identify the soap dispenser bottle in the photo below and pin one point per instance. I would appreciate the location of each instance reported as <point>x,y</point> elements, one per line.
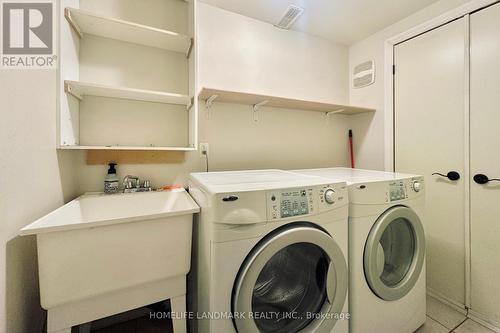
<point>111,182</point>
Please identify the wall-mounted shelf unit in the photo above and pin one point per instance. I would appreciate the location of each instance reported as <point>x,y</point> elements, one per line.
<point>235,97</point>
<point>127,75</point>
<point>82,89</point>
<point>93,24</point>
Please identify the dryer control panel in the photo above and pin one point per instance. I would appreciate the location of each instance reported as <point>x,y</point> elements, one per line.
<point>397,191</point>
<point>287,203</point>
<point>402,189</point>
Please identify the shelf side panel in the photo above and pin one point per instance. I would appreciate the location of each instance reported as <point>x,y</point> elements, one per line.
<point>193,77</point>
<point>69,44</point>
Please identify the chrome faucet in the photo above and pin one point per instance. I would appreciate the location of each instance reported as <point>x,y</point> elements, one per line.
<point>133,184</point>
<point>127,182</point>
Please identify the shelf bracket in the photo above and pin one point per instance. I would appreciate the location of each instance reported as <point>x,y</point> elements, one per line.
<point>72,23</point>
<point>69,89</point>
<point>256,108</point>
<point>208,104</point>
<point>190,105</point>
<point>191,44</point>
<point>334,112</point>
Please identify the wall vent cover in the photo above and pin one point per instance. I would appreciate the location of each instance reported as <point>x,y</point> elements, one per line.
<point>364,74</point>
<point>291,15</point>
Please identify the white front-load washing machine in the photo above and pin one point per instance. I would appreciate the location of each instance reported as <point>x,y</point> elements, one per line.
<point>386,249</point>
<point>270,253</point>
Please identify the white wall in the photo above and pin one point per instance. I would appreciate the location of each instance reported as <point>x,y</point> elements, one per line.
<point>235,53</point>
<point>369,128</point>
<point>34,179</point>
<point>243,54</point>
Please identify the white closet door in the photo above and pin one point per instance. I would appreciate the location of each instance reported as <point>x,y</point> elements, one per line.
<point>485,159</point>
<point>429,137</point>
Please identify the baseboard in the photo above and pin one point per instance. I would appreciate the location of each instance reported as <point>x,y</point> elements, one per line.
<point>445,300</point>
<point>492,325</point>
<point>477,317</point>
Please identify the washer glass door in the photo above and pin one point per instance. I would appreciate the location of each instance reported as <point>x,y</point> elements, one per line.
<point>394,253</point>
<point>290,281</point>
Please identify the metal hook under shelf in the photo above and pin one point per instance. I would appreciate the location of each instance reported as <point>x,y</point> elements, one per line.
<point>208,104</point>
<point>256,108</point>
<point>334,112</point>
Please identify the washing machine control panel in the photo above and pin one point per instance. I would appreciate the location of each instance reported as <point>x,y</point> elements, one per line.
<point>291,202</point>
<point>282,204</point>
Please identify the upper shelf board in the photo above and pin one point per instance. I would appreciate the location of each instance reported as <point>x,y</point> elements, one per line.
<point>82,89</point>
<point>225,96</point>
<point>88,23</point>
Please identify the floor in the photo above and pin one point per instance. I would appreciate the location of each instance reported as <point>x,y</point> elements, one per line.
<point>444,319</point>
<point>140,325</point>
<point>440,319</point>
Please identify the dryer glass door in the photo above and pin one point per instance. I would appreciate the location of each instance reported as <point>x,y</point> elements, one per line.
<point>394,253</point>
<point>289,281</point>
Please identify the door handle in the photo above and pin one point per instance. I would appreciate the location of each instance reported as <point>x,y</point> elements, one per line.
<point>483,179</point>
<point>331,283</point>
<point>452,175</point>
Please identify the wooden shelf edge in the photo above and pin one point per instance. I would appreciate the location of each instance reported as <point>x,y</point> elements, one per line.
<point>210,96</point>
<point>71,15</point>
<point>103,157</point>
<point>138,148</point>
<point>80,89</point>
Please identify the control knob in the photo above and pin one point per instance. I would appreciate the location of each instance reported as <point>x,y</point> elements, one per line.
<point>330,196</point>
<point>417,186</point>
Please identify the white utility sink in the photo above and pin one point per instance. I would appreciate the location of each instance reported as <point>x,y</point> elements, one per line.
<point>104,254</point>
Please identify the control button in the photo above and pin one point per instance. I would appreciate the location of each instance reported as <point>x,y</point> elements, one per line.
<point>417,186</point>
<point>273,198</point>
<point>330,196</point>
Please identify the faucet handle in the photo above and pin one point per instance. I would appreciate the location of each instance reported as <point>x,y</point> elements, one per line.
<point>147,184</point>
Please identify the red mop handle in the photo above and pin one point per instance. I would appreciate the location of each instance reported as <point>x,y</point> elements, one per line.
<point>351,149</point>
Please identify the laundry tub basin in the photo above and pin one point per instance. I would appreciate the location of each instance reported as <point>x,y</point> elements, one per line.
<point>105,254</point>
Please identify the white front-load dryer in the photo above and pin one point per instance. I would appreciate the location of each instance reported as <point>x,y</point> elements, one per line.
<point>386,249</point>
<point>270,253</point>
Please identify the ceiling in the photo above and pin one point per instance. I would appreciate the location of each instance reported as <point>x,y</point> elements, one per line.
<point>341,21</point>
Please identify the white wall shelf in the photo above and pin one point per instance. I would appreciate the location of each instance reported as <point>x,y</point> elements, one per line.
<point>145,67</point>
<point>256,100</point>
<point>88,23</point>
<point>81,89</point>
<point>128,148</point>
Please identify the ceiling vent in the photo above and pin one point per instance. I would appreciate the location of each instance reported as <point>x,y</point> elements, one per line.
<point>291,15</point>
<point>364,74</point>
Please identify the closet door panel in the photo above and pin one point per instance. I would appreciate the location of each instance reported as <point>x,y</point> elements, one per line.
<point>485,159</point>
<point>429,137</point>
